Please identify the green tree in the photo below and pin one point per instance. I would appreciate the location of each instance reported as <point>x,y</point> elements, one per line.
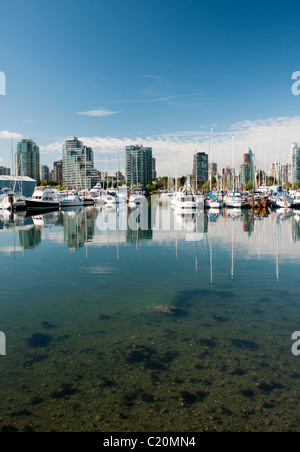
<point>164,181</point>
<point>182,181</point>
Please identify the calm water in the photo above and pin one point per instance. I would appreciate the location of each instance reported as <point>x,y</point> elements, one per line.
<point>156,331</point>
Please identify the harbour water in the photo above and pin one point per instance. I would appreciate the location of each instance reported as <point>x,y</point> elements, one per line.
<point>152,330</point>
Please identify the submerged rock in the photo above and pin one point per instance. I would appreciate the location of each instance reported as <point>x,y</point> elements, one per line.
<point>171,311</point>
<point>39,340</point>
<point>138,354</point>
<point>246,345</point>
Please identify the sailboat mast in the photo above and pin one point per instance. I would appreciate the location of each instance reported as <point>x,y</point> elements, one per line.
<point>210,157</point>
<point>278,159</point>
<point>233,170</point>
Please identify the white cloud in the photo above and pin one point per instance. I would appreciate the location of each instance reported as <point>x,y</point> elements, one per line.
<point>5,134</point>
<point>98,113</point>
<point>178,148</point>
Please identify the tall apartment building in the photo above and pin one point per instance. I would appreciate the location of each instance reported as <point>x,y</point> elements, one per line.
<point>213,169</point>
<point>28,159</point>
<point>228,175</point>
<point>294,164</point>
<point>248,168</point>
<point>154,173</point>
<point>200,168</point>
<point>5,171</point>
<point>45,173</point>
<point>78,165</point>
<point>276,172</point>
<point>138,165</point>
<point>58,172</point>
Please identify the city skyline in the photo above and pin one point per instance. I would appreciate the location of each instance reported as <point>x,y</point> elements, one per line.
<point>153,74</point>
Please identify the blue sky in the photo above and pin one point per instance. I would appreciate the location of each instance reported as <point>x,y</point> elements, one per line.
<point>158,72</point>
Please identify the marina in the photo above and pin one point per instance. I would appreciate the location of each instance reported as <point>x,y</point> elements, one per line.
<point>99,347</point>
<point>149,219</point>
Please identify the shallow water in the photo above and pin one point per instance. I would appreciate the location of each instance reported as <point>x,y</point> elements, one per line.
<point>156,330</point>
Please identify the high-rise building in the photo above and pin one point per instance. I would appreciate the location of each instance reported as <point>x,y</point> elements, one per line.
<point>276,172</point>
<point>78,170</point>
<point>138,165</point>
<point>285,173</point>
<point>104,175</point>
<point>119,176</point>
<point>294,164</point>
<point>248,168</point>
<point>213,169</point>
<point>228,175</point>
<point>154,173</point>
<point>28,159</point>
<point>5,171</point>
<point>200,168</point>
<point>45,173</point>
<point>58,172</point>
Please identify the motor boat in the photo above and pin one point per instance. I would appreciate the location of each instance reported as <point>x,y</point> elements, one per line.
<point>9,200</point>
<point>95,191</point>
<point>184,201</point>
<point>296,200</point>
<point>281,202</point>
<point>42,199</point>
<point>73,200</point>
<point>235,201</point>
<point>111,197</point>
<point>136,199</point>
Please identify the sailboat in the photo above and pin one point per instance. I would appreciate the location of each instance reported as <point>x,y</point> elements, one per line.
<point>212,202</point>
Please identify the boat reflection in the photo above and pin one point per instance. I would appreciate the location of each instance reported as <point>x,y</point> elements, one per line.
<point>110,225</point>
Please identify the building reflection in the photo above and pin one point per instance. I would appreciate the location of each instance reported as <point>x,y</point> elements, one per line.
<point>143,230</point>
<point>248,223</point>
<point>296,228</point>
<point>78,226</point>
<point>29,237</point>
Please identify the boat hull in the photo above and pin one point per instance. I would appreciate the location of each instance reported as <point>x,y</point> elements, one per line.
<point>41,205</point>
<point>71,203</point>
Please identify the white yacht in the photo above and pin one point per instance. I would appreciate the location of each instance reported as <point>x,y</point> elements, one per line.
<point>184,201</point>
<point>95,191</point>
<point>281,202</point>
<point>111,197</point>
<point>296,200</point>
<point>234,201</point>
<point>136,199</point>
<point>42,199</point>
<point>9,200</point>
<point>73,200</point>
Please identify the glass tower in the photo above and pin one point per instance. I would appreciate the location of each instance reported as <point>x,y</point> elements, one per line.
<point>28,159</point>
<point>200,168</point>
<point>248,168</point>
<point>294,164</point>
<point>138,165</point>
<point>78,165</point>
